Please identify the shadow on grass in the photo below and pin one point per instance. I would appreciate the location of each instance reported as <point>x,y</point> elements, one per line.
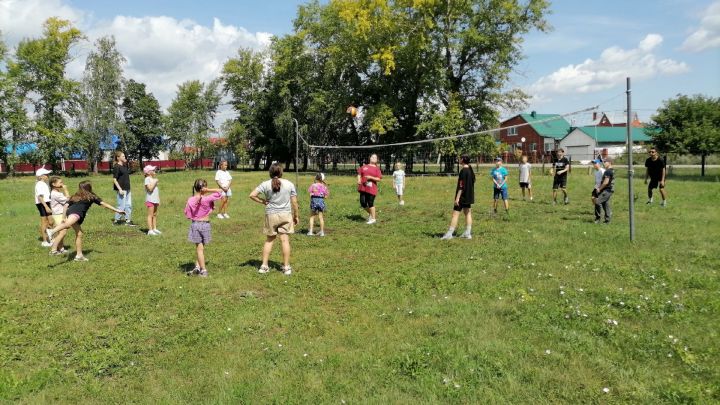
<point>69,257</point>
<point>434,235</point>
<point>187,267</point>
<point>255,264</point>
<point>356,218</point>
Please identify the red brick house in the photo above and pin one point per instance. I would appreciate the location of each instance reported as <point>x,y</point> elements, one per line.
<point>537,139</point>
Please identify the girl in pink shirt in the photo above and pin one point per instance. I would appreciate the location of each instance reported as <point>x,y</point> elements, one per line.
<point>198,210</point>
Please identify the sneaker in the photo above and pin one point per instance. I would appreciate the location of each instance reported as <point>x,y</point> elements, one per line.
<point>220,216</point>
<point>157,231</point>
<point>46,244</point>
<point>371,221</point>
<point>264,269</point>
<point>531,198</point>
<point>130,223</point>
<point>554,202</point>
<point>447,236</point>
<point>607,222</point>
<point>49,233</point>
<point>203,273</point>
<point>466,236</point>
<point>663,203</point>
<point>55,253</point>
<point>402,202</point>
<point>227,216</point>
<point>119,222</point>
<point>649,201</point>
<point>62,251</point>
<point>310,233</point>
<point>597,221</point>
<point>287,270</point>
<point>152,233</point>
<point>321,233</point>
<point>194,271</point>
<point>81,259</point>
<point>567,200</point>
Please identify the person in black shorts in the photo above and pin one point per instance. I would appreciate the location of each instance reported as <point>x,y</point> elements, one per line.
<point>655,170</point>
<point>80,203</point>
<point>464,199</point>
<point>561,166</point>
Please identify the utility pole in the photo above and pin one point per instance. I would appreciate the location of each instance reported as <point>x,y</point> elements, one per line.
<point>631,199</point>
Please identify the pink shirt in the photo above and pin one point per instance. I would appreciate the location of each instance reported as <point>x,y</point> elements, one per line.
<point>318,190</point>
<point>368,186</point>
<point>194,211</point>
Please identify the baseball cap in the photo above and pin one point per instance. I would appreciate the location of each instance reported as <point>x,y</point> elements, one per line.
<point>42,171</point>
<point>498,159</point>
<point>598,161</point>
<point>149,168</point>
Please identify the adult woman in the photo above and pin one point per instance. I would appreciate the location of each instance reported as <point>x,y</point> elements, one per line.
<point>464,199</point>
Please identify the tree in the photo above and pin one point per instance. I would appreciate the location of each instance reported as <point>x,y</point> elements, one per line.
<point>687,124</point>
<point>190,116</point>
<point>142,120</point>
<point>102,93</point>
<point>15,125</point>
<point>39,69</point>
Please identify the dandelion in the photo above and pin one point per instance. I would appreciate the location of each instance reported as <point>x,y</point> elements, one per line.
<point>669,354</point>
<point>676,296</point>
<point>229,329</point>
<point>279,345</point>
<point>612,322</point>
<point>457,385</point>
<point>562,292</point>
<point>622,304</point>
<point>547,351</point>
<point>606,390</point>
<point>580,289</point>
<point>305,355</point>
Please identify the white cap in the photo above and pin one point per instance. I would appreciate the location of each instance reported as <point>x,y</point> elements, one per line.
<point>42,171</point>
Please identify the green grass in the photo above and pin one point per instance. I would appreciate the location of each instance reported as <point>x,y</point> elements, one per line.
<point>374,314</point>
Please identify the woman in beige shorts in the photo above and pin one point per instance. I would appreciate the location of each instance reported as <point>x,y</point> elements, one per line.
<point>281,215</point>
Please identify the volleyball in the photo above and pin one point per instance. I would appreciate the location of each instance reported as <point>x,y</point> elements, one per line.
<point>352,110</point>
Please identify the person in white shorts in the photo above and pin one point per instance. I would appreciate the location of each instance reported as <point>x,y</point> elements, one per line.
<point>399,182</point>
<point>224,180</point>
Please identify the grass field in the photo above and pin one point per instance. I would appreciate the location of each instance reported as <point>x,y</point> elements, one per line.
<point>541,307</point>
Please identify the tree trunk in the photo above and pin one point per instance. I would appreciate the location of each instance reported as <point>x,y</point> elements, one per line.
<point>702,165</point>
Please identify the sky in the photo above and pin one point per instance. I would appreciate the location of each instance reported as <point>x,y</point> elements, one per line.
<point>667,47</point>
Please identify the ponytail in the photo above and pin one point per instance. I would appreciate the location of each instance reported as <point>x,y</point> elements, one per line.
<point>275,174</point>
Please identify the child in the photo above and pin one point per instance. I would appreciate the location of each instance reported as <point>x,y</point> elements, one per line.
<point>399,181</point>
<point>58,204</point>
<point>224,180</point>
<point>464,199</point>
<point>605,192</point>
<point>281,214</point>
<point>80,203</point>
<point>198,209</point>
<point>499,175</point>
<point>42,199</point>
<point>599,170</point>
<point>525,177</point>
<point>121,185</point>
<point>318,193</point>
<point>561,167</point>
<point>152,199</point>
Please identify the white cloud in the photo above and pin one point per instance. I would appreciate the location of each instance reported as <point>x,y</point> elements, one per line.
<point>708,34</point>
<point>610,70</point>
<point>161,51</point>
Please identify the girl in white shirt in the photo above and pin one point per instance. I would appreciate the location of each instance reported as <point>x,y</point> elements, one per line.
<point>59,197</point>
<point>224,180</point>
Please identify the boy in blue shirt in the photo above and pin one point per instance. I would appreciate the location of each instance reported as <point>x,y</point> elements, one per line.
<point>499,175</point>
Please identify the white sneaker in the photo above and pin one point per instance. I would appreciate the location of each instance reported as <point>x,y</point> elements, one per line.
<point>663,203</point>
<point>287,270</point>
<point>310,233</point>
<point>321,233</point>
<point>46,244</point>
<point>151,233</point>
<point>220,216</point>
<point>466,236</point>
<point>402,202</point>
<point>371,221</point>
<point>49,233</point>
<point>264,269</point>
<point>447,236</point>
<point>227,216</point>
<point>157,231</point>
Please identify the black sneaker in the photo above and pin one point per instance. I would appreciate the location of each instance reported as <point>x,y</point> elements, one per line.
<point>130,223</point>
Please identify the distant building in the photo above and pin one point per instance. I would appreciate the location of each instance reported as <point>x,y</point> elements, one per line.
<point>541,136</point>
<point>585,143</point>
<point>615,120</point>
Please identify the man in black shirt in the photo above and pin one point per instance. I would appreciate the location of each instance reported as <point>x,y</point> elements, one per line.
<point>656,172</point>
<point>561,166</point>
<point>605,192</point>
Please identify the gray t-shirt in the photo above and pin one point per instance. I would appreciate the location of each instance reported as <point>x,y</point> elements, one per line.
<point>153,197</point>
<point>277,202</point>
<point>525,172</point>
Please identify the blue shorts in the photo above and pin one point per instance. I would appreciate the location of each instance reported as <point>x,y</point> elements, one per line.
<point>317,204</point>
<point>500,192</point>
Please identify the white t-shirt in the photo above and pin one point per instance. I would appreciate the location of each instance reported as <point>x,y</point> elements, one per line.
<point>154,196</point>
<point>525,172</point>
<point>223,178</point>
<point>42,189</point>
<point>58,202</point>
<point>399,177</point>
<point>598,177</point>
<point>277,202</point>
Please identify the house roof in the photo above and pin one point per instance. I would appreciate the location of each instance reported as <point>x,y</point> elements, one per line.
<point>615,134</point>
<point>548,125</point>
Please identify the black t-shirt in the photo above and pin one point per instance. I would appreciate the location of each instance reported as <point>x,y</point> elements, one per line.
<point>610,175</point>
<point>655,168</point>
<point>81,208</point>
<point>466,183</point>
<point>122,175</point>
<point>561,164</point>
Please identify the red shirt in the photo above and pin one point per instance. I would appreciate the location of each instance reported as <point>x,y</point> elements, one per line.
<point>368,186</point>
